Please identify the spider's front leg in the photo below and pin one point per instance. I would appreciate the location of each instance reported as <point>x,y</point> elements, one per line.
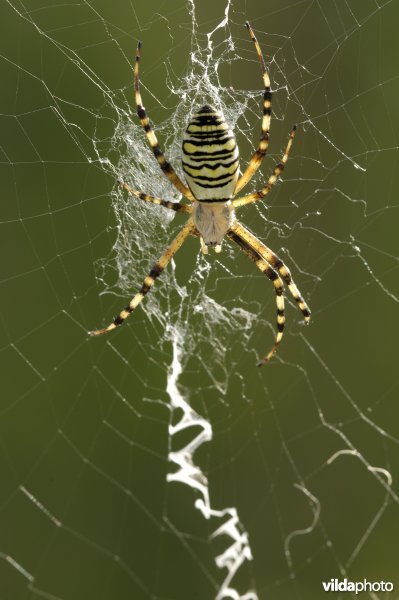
<point>150,279</point>
<point>274,261</point>
<point>267,270</point>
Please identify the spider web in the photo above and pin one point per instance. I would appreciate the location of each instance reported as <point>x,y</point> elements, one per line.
<point>157,461</point>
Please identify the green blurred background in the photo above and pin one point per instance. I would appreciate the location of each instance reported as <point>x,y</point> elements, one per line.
<point>85,511</point>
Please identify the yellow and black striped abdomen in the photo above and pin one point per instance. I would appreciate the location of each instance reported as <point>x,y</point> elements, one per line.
<point>210,156</point>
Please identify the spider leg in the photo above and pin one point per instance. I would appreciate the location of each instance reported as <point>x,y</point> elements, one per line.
<point>204,247</point>
<point>166,167</point>
<point>257,158</point>
<point>278,286</point>
<point>270,257</point>
<point>176,206</point>
<point>150,279</point>
<point>278,169</point>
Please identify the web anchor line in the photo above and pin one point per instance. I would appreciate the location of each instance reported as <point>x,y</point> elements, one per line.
<point>238,552</point>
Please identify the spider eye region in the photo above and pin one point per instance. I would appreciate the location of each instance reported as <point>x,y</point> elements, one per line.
<point>213,220</point>
<point>210,156</point>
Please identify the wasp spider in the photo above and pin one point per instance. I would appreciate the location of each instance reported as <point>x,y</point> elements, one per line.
<point>211,168</point>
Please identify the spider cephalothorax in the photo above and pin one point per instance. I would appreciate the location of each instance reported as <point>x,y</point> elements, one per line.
<point>211,168</point>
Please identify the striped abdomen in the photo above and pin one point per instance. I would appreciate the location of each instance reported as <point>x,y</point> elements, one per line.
<point>210,156</point>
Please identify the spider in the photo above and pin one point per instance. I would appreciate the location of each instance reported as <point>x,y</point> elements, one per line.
<point>211,167</point>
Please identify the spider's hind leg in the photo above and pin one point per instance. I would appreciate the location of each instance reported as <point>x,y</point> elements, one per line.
<point>260,153</point>
<point>165,165</point>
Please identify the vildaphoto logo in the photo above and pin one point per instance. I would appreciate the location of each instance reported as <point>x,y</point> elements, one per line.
<point>344,585</point>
